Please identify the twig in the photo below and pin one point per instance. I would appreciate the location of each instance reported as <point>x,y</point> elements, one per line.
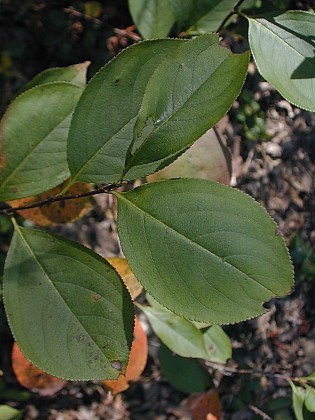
<point>232,12</point>
<point>72,11</point>
<point>225,150</point>
<point>226,370</point>
<point>128,33</point>
<point>104,189</point>
<point>259,412</point>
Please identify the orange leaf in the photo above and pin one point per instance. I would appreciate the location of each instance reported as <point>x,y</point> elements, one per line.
<point>33,378</point>
<point>123,269</point>
<point>137,361</point>
<point>205,406</point>
<point>60,211</point>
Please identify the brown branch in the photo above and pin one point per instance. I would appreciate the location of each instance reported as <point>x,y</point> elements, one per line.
<point>104,189</point>
<point>228,16</point>
<point>72,11</point>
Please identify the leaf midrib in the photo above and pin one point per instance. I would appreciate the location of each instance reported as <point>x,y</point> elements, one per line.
<point>120,196</point>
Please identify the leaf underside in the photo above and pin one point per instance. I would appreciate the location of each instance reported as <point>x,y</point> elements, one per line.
<point>68,309</point>
<point>205,251</point>
<point>283,48</point>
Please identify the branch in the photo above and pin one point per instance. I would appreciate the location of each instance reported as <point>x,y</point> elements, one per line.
<point>72,11</point>
<point>226,370</point>
<point>104,189</point>
<point>232,12</point>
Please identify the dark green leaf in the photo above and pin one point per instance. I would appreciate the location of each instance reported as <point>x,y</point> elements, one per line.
<point>186,375</point>
<point>68,309</point>
<point>283,48</point>
<point>33,135</point>
<point>149,105</point>
<point>206,251</point>
<point>153,18</point>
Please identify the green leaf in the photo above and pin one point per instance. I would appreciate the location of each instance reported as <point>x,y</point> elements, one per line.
<point>283,48</point>
<point>207,15</point>
<point>186,375</point>
<point>177,333</point>
<point>298,398</point>
<point>187,95</point>
<point>9,413</point>
<point>217,344</point>
<point>33,135</point>
<point>102,125</point>
<point>182,10</point>
<point>184,338</point>
<point>208,252</point>
<point>146,107</point>
<point>153,18</point>
<point>67,307</point>
<point>75,74</point>
<point>310,399</point>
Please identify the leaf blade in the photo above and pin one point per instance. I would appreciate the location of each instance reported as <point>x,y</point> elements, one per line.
<point>153,18</point>
<point>105,95</point>
<point>33,135</point>
<point>62,321</point>
<point>210,15</point>
<point>289,38</point>
<point>75,74</point>
<point>135,140</point>
<point>236,246</point>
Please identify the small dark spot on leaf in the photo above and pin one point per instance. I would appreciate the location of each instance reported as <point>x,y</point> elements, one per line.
<point>116,364</point>
<point>117,82</point>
